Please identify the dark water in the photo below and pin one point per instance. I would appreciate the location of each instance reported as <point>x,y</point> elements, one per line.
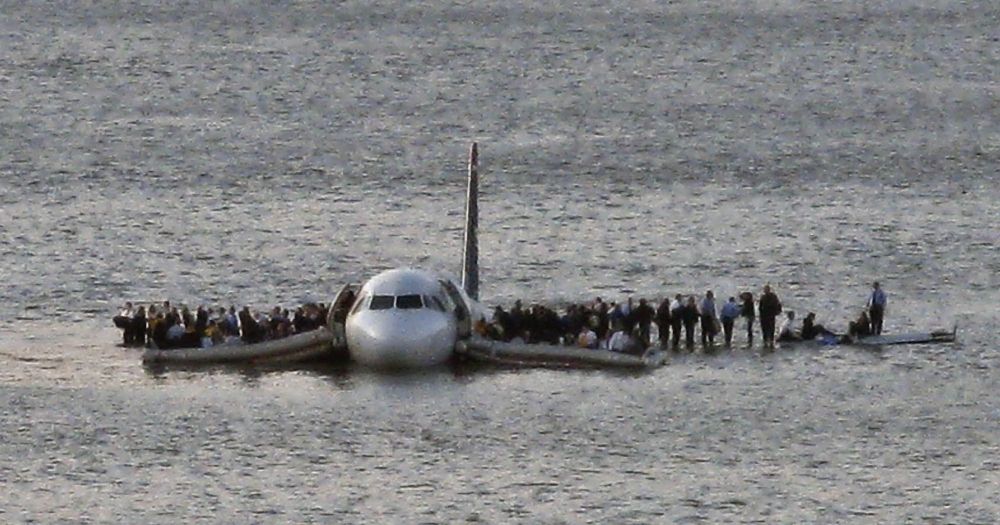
<point>232,153</point>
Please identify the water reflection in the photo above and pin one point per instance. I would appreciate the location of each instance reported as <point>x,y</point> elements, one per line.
<point>341,374</point>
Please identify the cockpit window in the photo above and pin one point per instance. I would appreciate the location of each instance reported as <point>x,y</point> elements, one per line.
<point>409,302</point>
<point>432,301</point>
<point>381,302</point>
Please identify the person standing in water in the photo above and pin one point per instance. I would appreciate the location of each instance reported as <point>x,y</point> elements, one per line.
<point>876,308</point>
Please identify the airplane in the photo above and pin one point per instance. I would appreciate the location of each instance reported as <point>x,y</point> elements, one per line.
<point>412,318</point>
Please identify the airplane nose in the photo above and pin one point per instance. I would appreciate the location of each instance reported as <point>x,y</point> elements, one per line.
<point>396,342</point>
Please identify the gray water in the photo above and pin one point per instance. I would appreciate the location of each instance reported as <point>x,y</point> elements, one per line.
<point>231,153</point>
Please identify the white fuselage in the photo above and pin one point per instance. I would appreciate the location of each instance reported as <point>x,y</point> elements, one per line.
<point>406,318</point>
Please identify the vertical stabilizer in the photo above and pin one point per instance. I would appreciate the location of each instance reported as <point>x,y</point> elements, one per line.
<point>470,263</point>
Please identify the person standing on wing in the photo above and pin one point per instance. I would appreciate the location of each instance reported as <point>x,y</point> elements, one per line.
<point>747,311</point>
<point>709,316</point>
<point>768,308</point>
<point>876,308</point>
<point>730,311</point>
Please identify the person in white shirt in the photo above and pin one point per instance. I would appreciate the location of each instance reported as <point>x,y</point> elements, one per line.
<point>618,341</point>
<point>587,338</point>
<point>787,331</point>
<point>676,319</point>
<point>124,321</point>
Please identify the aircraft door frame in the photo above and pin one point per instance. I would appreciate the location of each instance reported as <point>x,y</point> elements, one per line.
<point>463,315</point>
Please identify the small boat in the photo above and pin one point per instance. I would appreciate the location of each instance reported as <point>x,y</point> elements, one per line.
<point>523,354</point>
<point>311,345</point>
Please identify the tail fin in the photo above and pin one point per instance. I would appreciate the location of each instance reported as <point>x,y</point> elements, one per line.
<point>470,265</point>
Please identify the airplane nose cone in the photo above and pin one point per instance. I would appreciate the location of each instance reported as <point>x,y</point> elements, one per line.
<point>401,341</point>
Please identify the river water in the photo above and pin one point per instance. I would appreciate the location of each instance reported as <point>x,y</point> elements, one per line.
<point>233,153</point>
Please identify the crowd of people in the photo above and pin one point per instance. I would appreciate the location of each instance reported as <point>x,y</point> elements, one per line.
<point>622,327</point>
<point>627,326</point>
<point>168,326</point>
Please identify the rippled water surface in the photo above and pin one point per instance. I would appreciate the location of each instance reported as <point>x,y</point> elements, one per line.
<point>232,153</point>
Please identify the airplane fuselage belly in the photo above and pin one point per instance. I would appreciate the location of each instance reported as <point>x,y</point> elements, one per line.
<point>400,338</point>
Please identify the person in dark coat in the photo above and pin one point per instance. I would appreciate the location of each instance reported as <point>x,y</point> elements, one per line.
<point>252,332</point>
<point>690,316</point>
<point>643,315</point>
<point>663,321</point>
<point>517,321</point>
<point>600,314</point>
<point>709,316</point>
<point>201,321</point>
<point>769,309</point>
<point>139,327</point>
<point>860,328</point>
<point>159,334</point>
<point>811,330</point>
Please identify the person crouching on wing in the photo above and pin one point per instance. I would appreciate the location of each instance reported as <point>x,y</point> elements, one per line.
<point>627,342</point>
<point>587,338</point>
<point>861,327</point>
<point>811,330</point>
<point>787,331</point>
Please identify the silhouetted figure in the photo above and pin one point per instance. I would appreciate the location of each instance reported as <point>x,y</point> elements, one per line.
<point>663,321</point>
<point>252,332</point>
<point>811,330</point>
<point>708,318</point>
<point>690,316</point>
<point>643,315</point>
<point>139,327</point>
<point>201,321</point>
<point>601,317</point>
<point>861,327</point>
<point>517,324</point>
<point>769,309</point>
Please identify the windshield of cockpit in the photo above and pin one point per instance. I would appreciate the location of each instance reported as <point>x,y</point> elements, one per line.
<point>401,302</point>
